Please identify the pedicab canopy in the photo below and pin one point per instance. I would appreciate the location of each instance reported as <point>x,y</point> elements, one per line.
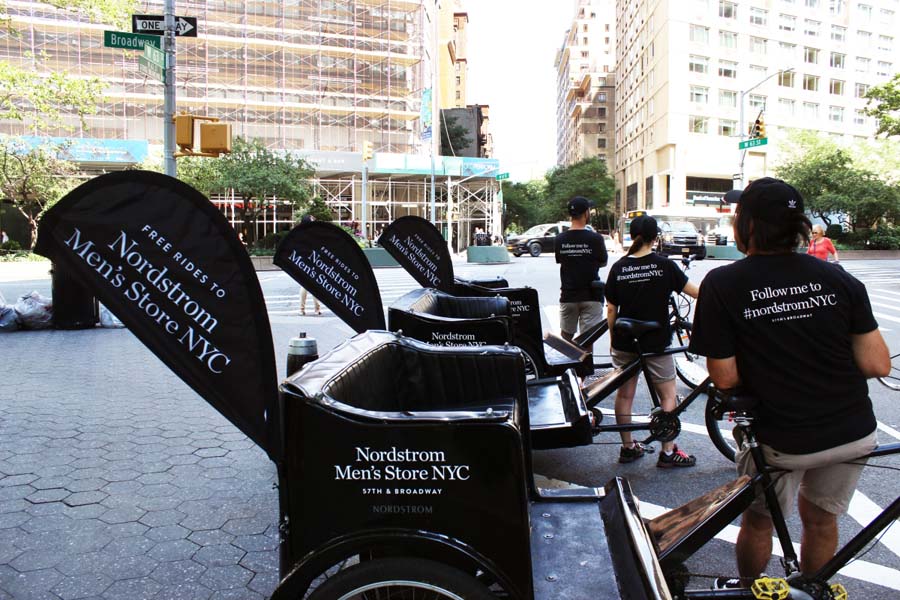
<point>165,261</point>
<point>327,261</point>
<point>420,249</point>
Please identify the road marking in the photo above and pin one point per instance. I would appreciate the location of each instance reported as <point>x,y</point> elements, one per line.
<point>864,511</point>
<point>889,430</point>
<point>887,317</point>
<point>883,305</point>
<point>887,292</point>
<point>858,569</point>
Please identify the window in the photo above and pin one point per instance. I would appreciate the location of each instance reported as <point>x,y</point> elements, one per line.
<point>859,117</point>
<point>811,28</point>
<point>812,3</point>
<point>758,16</point>
<point>811,55</point>
<point>757,45</point>
<point>758,70</point>
<point>786,79</point>
<point>727,10</point>
<point>728,69</point>
<point>728,39</point>
<point>865,37</point>
<point>887,14</point>
<point>601,96</point>
<point>884,68</point>
<point>787,106</point>
<point>836,87</point>
<point>757,101</point>
<point>699,94</point>
<point>837,60</point>
<point>727,127</point>
<point>811,83</point>
<point>836,114</point>
<point>727,99</point>
<point>699,34</point>
<point>838,33</point>
<point>601,142</point>
<point>836,7</point>
<point>811,110</point>
<point>863,64</point>
<point>698,64</point>
<point>786,50</point>
<point>787,22</point>
<point>861,90</point>
<point>698,124</point>
<point>865,12</point>
<point>885,42</point>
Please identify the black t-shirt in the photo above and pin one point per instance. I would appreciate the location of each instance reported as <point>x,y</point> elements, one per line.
<point>788,321</point>
<point>640,289</point>
<point>580,254</point>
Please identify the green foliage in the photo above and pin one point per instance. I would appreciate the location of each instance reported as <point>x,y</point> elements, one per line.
<point>33,179</point>
<point>884,238</point>
<point>271,240</point>
<point>834,232</point>
<point>318,209</point>
<point>588,178</point>
<point>522,204</point>
<point>453,136</point>
<point>360,240</point>
<point>254,174</point>
<point>884,105</point>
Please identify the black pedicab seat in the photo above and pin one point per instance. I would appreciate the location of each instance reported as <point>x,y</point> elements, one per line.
<point>396,448</point>
<point>558,415</point>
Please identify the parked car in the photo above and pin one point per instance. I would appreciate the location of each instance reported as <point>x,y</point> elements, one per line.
<point>540,238</point>
<point>682,238</point>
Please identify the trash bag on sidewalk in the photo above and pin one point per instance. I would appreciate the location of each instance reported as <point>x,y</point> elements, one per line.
<point>9,321</point>
<point>109,320</point>
<point>34,311</point>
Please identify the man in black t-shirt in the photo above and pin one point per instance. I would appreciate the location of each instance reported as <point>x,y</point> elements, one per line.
<point>581,253</point>
<point>799,334</point>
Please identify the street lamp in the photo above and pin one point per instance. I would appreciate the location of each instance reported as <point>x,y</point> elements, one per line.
<point>741,124</point>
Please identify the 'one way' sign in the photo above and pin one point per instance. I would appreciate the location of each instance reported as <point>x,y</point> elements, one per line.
<point>156,25</point>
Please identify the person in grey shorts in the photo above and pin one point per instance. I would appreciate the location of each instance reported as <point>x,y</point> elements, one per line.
<point>581,253</point>
<point>638,287</point>
<point>798,334</point>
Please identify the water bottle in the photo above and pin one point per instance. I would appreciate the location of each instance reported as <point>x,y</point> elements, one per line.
<point>301,350</point>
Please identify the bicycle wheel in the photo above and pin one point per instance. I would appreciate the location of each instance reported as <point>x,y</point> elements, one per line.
<point>690,367</point>
<point>892,381</point>
<point>721,438</point>
<point>401,579</point>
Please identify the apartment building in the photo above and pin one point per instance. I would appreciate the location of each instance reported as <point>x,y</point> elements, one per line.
<point>584,84</point>
<point>691,75</point>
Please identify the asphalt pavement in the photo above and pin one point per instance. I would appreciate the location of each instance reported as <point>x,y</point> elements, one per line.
<point>119,482</point>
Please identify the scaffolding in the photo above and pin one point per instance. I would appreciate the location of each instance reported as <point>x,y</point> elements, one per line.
<point>315,74</point>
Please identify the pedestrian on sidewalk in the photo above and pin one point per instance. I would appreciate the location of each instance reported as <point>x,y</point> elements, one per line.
<point>800,336</point>
<point>638,287</point>
<point>820,246</point>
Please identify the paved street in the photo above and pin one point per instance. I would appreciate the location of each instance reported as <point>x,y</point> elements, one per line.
<point>119,482</point>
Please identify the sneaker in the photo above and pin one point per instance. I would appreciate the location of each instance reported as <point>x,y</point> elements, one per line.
<point>627,455</point>
<point>726,583</point>
<point>678,458</point>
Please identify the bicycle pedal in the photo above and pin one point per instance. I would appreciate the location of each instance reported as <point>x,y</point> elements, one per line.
<point>770,588</point>
<point>838,592</point>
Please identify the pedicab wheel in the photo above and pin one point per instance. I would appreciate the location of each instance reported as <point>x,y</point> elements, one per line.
<point>401,579</point>
<point>690,367</point>
<point>723,441</point>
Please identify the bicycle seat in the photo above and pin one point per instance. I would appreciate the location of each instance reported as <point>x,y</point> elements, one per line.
<point>634,328</point>
<point>736,401</point>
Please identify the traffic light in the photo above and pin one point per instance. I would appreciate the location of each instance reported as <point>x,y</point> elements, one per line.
<point>184,131</point>
<point>366,150</point>
<point>760,128</point>
<point>215,138</point>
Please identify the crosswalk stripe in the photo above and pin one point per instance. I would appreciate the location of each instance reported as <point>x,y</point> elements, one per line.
<point>888,292</point>
<point>886,317</point>
<point>864,511</point>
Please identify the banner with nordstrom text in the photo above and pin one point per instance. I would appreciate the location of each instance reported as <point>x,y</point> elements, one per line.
<point>420,249</point>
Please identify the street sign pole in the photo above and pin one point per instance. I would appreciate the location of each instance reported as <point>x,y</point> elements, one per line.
<point>169,91</point>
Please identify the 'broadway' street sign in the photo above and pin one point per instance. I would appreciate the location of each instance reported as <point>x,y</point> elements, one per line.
<point>129,41</point>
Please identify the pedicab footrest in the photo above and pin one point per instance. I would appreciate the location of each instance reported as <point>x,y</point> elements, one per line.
<point>562,354</point>
<point>570,554</point>
<point>558,415</point>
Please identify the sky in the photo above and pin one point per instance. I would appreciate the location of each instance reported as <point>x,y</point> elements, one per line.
<point>512,45</point>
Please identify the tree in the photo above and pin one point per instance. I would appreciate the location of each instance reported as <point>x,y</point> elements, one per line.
<point>33,179</point>
<point>453,136</point>
<point>588,177</point>
<point>44,97</point>
<point>521,204</point>
<point>318,209</point>
<point>254,174</point>
<point>884,105</point>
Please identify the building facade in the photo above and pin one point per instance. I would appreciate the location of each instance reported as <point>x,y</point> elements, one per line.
<point>584,84</point>
<point>692,75</point>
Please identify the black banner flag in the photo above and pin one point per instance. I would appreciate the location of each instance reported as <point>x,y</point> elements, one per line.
<point>165,261</point>
<point>420,249</point>
<point>328,262</point>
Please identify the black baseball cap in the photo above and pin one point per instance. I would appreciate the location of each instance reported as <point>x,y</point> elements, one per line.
<point>579,205</point>
<point>768,199</point>
<point>644,226</point>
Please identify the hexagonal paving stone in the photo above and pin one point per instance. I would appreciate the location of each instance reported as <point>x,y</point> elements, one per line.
<point>199,522</point>
<point>178,571</point>
<point>158,518</point>
<point>129,567</point>
<point>122,515</point>
<point>120,475</point>
<point>255,543</point>
<point>34,560</point>
<point>211,452</point>
<point>238,594</point>
<point>47,523</point>
<point>264,583</point>
<point>82,498</point>
<point>134,545</point>
<point>46,483</point>
<point>154,478</point>
<point>123,530</point>
<point>82,586</point>
<point>15,492</point>
<point>31,585</point>
<point>87,511</point>
<point>211,537</point>
<point>142,588</point>
<point>157,504</point>
<point>85,485</point>
<point>226,578</point>
<point>173,550</point>
<point>53,495</point>
<point>252,526</point>
<point>158,490</point>
<point>11,520</point>
<point>219,555</point>
<point>168,532</point>
<point>23,479</point>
